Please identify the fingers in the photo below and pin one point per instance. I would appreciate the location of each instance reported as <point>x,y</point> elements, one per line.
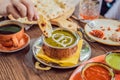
<point>31,14</point>
<point>20,8</point>
<point>13,11</point>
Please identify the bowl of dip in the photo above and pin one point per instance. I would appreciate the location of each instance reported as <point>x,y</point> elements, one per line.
<point>112,59</point>
<point>97,71</point>
<point>62,44</point>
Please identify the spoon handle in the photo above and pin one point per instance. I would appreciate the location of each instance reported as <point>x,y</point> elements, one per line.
<point>86,36</point>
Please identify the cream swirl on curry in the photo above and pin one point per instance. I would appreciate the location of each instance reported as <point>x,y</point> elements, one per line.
<point>62,39</point>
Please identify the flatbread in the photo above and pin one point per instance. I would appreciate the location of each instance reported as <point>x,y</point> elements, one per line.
<point>64,23</point>
<point>48,8</point>
<point>22,20</point>
<point>45,26</point>
<point>108,29</point>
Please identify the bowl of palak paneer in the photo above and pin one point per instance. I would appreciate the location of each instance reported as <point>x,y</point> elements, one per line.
<point>62,44</point>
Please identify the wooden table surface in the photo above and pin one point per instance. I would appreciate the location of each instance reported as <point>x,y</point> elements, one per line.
<point>20,65</point>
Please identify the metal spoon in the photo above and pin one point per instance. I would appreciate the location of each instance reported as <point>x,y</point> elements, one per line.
<point>86,36</point>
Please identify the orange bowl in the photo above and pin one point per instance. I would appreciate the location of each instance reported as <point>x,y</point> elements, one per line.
<point>11,32</point>
<point>97,71</point>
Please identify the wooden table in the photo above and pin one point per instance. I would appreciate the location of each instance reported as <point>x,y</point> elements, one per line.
<point>20,65</point>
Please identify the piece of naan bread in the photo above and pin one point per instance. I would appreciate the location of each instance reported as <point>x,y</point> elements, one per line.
<point>45,26</point>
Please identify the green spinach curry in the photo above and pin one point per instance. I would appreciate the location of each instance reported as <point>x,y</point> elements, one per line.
<point>61,38</point>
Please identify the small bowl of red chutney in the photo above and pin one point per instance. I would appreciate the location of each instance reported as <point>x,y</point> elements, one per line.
<point>97,71</point>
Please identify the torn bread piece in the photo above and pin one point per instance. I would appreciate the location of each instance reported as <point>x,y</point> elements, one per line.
<point>22,20</point>
<point>45,26</point>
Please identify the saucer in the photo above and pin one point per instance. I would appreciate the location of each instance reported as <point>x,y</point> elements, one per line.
<point>24,42</point>
<point>85,54</point>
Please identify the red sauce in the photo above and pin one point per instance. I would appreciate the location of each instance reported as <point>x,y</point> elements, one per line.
<point>97,33</point>
<point>97,73</point>
<point>89,17</point>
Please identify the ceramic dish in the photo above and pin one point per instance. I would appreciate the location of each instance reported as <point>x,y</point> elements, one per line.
<point>76,75</point>
<point>85,54</point>
<point>26,41</point>
<point>104,31</point>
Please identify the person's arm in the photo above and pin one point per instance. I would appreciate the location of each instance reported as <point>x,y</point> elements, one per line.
<point>18,8</point>
<point>114,11</point>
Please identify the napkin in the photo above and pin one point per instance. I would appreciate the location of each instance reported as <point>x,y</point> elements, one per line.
<point>73,60</point>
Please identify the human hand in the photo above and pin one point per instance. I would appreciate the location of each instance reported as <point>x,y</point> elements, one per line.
<point>18,8</point>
